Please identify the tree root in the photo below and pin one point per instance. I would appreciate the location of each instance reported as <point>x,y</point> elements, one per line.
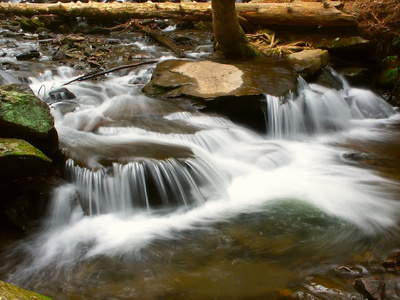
<point>269,45</point>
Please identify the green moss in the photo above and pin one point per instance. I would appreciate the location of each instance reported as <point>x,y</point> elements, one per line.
<point>9,291</point>
<point>26,110</point>
<point>17,147</point>
<point>31,24</point>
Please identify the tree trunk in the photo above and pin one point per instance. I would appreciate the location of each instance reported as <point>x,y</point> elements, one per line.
<point>292,14</point>
<point>228,33</point>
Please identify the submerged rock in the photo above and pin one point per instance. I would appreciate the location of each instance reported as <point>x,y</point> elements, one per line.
<point>372,289</point>
<point>19,159</point>
<point>10,291</point>
<point>24,116</point>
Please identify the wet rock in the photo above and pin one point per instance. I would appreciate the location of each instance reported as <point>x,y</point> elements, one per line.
<point>389,264</point>
<point>235,90</point>
<point>30,24</point>
<point>59,55</point>
<point>59,95</point>
<point>392,264</point>
<point>8,66</point>
<point>32,37</point>
<point>92,30</point>
<point>28,55</point>
<point>306,296</point>
<point>181,39</point>
<point>13,28</point>
<point>9,291</point>
<point>50,21</point>
<point>43,35</point>
<point>20,159</point>
<point>372,289</point>
<point>319,291</point>
<point>308,62</point>
<point>64,28</point>
<point>208,80</point>
<point>350,43</point>
<point>346,272</point>
<point>360,77</point>
<point>11,34</point>
<point>24,116</point>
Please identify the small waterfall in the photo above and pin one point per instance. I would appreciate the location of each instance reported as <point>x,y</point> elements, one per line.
<point>317,110</point>
<point>146,185</point>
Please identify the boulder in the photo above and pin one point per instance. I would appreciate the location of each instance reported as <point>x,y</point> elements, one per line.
<point>347,44</point>
<point>28,55</point>
<point>308,62</point>
<point>207,80</point>
<point>10,291</point>
<point>371,288</point>
<point>234,89</point>
<point>24,116</point>
<point>20,159</point>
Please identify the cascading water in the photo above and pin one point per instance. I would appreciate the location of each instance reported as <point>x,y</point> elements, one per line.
<point>318,110</point>
<point>163,201</point>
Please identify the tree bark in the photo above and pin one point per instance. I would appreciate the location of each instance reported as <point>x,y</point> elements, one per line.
<point>228,33</point>
<point>292,14</point>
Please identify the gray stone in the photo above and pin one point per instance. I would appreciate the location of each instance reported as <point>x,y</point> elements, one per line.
<point>308,62</point>
<point>236,90</point>
<point>208,80</point>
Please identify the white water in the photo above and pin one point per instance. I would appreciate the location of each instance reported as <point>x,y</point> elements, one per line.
<point>213,170</point>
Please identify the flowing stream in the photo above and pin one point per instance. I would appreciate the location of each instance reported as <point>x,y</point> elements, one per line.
<point>161,201</point>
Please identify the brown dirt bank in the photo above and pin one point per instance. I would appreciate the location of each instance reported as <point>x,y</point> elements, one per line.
<point>376,19</point>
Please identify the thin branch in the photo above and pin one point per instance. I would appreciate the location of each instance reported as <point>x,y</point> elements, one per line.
<point>89,76</point>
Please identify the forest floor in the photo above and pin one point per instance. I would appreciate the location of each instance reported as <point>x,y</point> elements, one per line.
<point>380,20</point>
<point>376,17</point>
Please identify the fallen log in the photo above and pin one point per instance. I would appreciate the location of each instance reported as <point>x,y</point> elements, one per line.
<point>289,14</point>
<point>159,38</point>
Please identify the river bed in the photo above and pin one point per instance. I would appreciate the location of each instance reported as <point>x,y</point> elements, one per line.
<point>161,201</point>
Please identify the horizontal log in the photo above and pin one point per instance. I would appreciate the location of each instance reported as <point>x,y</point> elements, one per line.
<point>291,14</point>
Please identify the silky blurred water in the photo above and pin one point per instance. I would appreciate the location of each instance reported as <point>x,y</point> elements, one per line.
<point>161,201</point>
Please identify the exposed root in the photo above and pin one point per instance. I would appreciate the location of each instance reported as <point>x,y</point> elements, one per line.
<point>267,43</point>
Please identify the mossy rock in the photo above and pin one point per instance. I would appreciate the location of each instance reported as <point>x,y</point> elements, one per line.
<point>30,24</point>
<point>24,116</point>
<point>11,292</point>
<point>20,159</point>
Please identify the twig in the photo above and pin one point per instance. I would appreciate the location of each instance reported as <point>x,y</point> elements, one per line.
<point>44,88</point>
<point>89,76</point>
<point>123,27</point>
<point>376,19</point>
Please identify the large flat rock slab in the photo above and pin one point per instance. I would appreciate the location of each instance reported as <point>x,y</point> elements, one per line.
<point>233,89</point>
<point>207,80</point>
